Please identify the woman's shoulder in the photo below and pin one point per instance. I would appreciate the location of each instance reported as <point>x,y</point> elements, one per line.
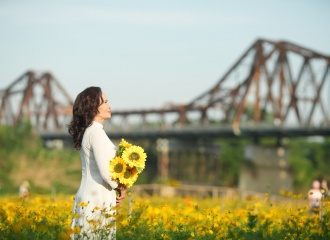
<point>94,129</point>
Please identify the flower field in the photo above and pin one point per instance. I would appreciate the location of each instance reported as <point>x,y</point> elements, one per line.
<point>41,217</point>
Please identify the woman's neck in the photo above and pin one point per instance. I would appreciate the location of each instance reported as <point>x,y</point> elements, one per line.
<point>99,120</point>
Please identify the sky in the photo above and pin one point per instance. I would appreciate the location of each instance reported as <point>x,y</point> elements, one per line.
<point>147,54</point>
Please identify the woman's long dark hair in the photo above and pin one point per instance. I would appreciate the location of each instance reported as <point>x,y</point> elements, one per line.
<point>85,108</point>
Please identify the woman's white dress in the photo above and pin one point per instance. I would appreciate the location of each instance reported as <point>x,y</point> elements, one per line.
<point>96,188</point>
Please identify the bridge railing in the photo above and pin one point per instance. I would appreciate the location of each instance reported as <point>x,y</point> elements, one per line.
<point>199,132</point>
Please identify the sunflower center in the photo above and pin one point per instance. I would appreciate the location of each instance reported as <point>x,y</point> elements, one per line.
<point>127,174</point>
<point>134,156</point>
<point>118,168</point>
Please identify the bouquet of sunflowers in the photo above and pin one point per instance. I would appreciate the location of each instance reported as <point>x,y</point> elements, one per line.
<point>127,164</point>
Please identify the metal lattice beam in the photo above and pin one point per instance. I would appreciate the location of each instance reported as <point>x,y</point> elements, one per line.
<point>272,83</point>
<point>39,98</point>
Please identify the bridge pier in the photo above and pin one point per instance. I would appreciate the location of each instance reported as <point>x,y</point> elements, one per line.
<point>265,169</point>
<point>193,162</point>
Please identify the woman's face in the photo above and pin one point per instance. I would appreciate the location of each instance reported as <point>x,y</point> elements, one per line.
<point>104,110</point>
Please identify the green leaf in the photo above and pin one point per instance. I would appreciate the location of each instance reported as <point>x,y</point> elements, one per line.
<point>139,169</point>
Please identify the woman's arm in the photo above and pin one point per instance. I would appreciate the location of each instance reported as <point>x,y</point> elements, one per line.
<point>104,151</point>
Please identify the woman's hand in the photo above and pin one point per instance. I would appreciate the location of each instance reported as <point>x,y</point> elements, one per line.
<point>121,195</point>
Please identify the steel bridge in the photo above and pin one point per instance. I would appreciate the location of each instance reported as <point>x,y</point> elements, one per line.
<point>274,89</point>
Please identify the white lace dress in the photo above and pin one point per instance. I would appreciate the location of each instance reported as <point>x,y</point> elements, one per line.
<point>96,195</point>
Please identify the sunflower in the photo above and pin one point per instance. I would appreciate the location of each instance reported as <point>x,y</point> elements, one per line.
<point>122,146</point>
<point>135,156</point>
<point>125,144</point>
<point>129,177</point>
<point>117,167</point>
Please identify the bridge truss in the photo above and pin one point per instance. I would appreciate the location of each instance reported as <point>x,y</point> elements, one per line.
<point>40,98</point>
<point>272,84</point>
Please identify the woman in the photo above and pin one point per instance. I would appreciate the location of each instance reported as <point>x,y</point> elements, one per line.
<point>314,197</point>
<point>96,197</point>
